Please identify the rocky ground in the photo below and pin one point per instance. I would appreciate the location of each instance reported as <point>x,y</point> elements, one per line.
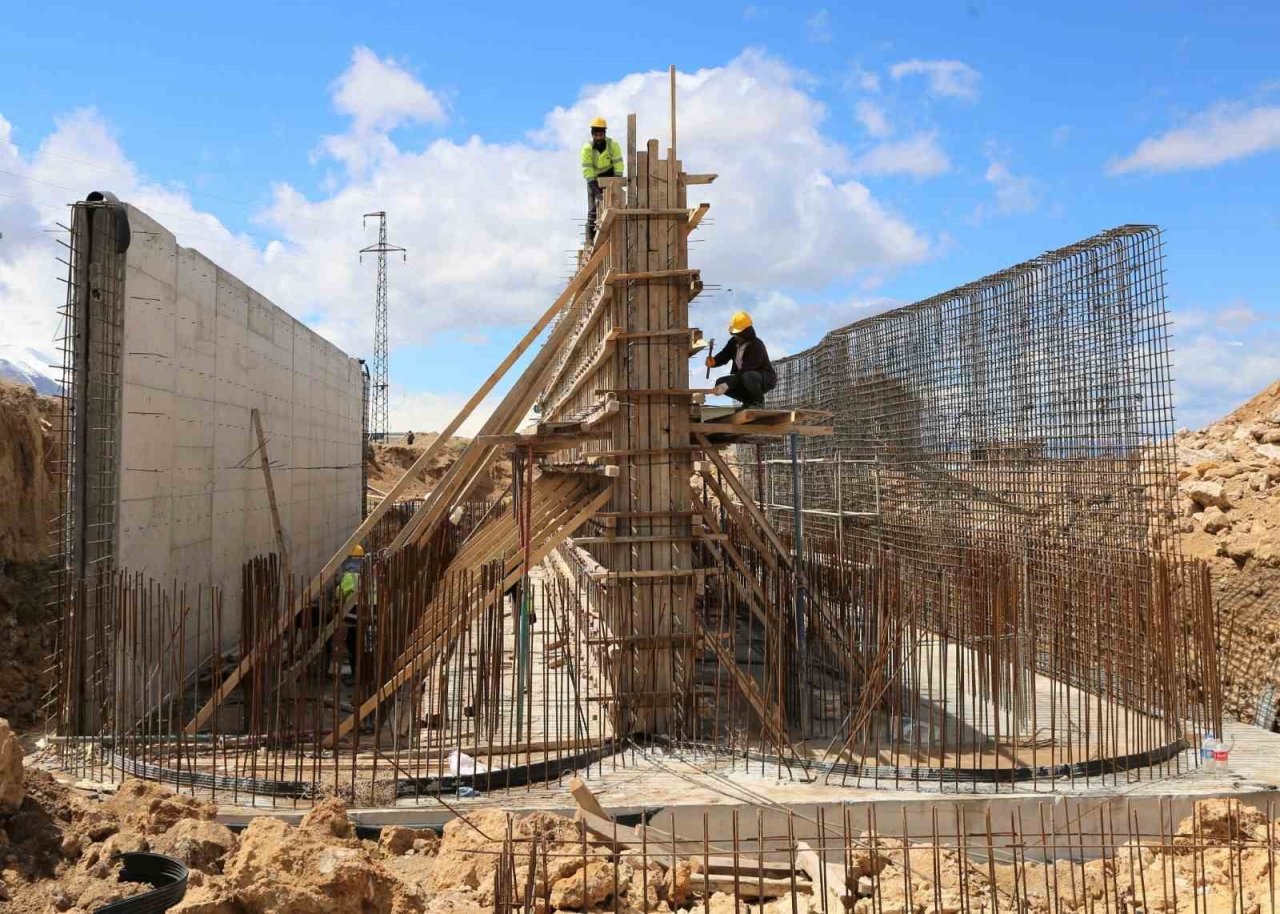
<point>60,847</point>
<point>1229,515</point>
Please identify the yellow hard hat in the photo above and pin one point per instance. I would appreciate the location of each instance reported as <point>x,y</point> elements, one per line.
<point>740,321</point>
<point>357,551</point>
<point>599,124</point>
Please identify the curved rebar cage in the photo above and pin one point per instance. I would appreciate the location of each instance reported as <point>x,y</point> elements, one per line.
<point>971,582</point>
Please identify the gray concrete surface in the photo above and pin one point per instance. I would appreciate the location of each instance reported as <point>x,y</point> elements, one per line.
<point>201,349</point>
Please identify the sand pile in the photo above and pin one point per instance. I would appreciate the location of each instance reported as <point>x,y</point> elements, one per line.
<point>388,462</point>
<point>1229,515</point>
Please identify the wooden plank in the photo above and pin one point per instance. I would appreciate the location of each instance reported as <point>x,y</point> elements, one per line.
<point>696,216</point>
<point>692,538</point>
<point>586,372</point>
<point>415,660</point>
<point>330,567</point>
<point>630,514</point>
<point>647,573</point>
<point>637,213</point>
<point>749,431</point>
<point>647,334</point>
<point>757,601</point>
<point>753,887</point>
<point>514,406</point>
<point>829,880</point>
<point>586,800</point>
<point>700,179</point>
<point>648,275</point>
<point>286,565</point>
<point>761,416</point>
<point>638,619</point>
<point>748,503</point>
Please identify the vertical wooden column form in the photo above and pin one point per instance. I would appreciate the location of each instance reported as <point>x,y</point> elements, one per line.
<point>653,581</point>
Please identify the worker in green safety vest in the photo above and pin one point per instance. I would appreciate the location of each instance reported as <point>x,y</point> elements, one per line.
<point>601,158</point>
<point>348,583</point>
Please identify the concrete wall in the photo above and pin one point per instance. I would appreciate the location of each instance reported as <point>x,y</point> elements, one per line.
<point>201,349</point>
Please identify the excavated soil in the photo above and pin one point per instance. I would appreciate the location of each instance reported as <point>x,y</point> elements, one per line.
<point>1229,515</point>
<point>28,459</point>
<point>28,507</point>
<point>387,463</point>
<point>59,852</point>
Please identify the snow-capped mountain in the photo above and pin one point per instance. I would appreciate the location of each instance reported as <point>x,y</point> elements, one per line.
<point>30,367</point>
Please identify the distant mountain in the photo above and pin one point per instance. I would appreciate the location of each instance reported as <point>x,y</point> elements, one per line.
<point>27,366</point>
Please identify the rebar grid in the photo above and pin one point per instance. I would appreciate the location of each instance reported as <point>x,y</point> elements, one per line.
<point>1032,406</point>
<point>982,592</point>
<point>89,439</point>
<point>1215,855</point>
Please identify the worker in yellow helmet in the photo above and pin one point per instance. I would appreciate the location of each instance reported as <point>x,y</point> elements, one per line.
<point>601,158</point>
<point>348,585</point>
<point>752,375</point>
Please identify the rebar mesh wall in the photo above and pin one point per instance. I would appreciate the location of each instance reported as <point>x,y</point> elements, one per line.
<point>1023,421</point>
<point>1033,404</point>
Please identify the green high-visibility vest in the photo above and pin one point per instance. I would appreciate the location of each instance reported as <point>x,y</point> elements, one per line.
<point>350,581</point>
<point>593,163</point>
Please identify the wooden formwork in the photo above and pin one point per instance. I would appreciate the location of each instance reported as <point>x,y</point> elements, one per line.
<point>634,350</point>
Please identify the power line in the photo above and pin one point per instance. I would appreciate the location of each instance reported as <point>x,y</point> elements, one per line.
<point>378,421</point>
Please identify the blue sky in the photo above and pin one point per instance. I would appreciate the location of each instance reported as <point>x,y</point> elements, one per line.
<point>870,155</point>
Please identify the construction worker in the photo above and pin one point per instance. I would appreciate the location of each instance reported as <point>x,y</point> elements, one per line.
<point>601,158</point>
<point>752,375</point>
<point>348,585</point>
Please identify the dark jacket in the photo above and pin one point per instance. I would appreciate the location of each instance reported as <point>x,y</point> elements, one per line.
<point>747,353</point>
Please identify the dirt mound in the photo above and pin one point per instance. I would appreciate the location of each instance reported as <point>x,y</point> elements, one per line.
<point>63,849</point>
<point>308,871</point>
<point>1229,515</point>
<point>28,508</point>
<point>28,458</point>
<point>386,463</point>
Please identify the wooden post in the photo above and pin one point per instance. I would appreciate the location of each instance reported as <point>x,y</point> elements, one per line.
<point>281,546</point>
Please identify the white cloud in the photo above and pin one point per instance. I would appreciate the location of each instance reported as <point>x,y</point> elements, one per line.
<point>491,228</point>
<point>919,156</point>
<point>1013,194</point>
<point>872,117</point>
<point>1223,133</point>
<point>379,94</point>
<point>79,156</point>
<point>430,411</point>
<point>862,80</point>
<point>1214,374</point>
<point>818,27</point>
<point>946,78</point>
